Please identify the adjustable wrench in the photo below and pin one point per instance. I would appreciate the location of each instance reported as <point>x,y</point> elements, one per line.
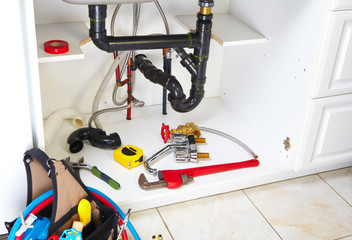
<point>177,178</point>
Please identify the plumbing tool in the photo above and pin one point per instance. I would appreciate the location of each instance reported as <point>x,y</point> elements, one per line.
<point>177,178</point>
<point>129,156</point>
<point>39,231</point>
<point>96,172</point>
<point>71,234</point>
<point>124,224</point>
<point>185,151</point>
<point>28,223</point>
<point>84,210</point>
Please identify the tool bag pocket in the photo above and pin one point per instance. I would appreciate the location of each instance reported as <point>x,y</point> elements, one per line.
<point>68,191</point>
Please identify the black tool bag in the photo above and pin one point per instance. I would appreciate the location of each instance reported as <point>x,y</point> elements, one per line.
<point>43,174</point>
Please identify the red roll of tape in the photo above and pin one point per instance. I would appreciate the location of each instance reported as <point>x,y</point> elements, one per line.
<point>56,46</point>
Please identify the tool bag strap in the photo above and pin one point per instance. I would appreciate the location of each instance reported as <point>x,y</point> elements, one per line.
<point>44,174</point>
<point>38,181</point>
<point>68,190</point>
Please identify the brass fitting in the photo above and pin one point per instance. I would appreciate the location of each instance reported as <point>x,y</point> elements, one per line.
<point>202,155</point>
<point>157,237</point>
<point>205,10</point>
<point>200,140</point>
<point>189,128</point>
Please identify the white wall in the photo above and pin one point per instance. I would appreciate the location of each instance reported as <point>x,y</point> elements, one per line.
<point>267,84</point>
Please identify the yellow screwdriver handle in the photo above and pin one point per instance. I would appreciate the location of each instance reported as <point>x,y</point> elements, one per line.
<point>84,211</point>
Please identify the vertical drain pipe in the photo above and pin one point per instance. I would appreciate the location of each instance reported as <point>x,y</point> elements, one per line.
<point>200,58</point>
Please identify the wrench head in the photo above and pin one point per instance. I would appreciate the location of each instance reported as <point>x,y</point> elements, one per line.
<point>144,184</point>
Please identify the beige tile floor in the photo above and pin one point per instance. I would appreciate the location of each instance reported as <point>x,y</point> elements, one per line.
<point>312,207</point>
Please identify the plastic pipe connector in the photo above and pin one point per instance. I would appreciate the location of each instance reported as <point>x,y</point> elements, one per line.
<point>55,120</point>
<point>97,137</point>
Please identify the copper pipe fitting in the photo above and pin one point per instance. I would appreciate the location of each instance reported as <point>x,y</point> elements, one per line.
<point>205,10</point>
<point>200,140</point>
<point>187,129</point>
<point>202,155</point>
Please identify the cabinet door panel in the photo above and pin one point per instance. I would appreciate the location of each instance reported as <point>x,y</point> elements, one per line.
<point>341,4</point>
<point>328,136</point>
<point>334,73</point>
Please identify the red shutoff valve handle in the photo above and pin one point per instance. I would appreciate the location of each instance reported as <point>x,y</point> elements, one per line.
<point>165,132</point>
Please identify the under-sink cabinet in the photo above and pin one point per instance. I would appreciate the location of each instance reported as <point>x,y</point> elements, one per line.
<point>279,78</point>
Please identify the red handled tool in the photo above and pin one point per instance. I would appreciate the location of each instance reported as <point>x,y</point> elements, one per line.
<point>177,178</point>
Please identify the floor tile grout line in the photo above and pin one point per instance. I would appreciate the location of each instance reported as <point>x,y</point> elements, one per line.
<point>335,190</point>
<point>341,238</point>
<point>261,213</point>
<point>157,209</point>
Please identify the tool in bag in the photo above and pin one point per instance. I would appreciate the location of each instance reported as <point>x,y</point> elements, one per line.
<point>55,191</point>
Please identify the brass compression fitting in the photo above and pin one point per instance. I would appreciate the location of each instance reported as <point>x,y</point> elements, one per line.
<point>205,10</point>
<point>205,6</point>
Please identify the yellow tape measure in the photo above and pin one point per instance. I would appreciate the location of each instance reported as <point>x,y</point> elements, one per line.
<point>129,156</point>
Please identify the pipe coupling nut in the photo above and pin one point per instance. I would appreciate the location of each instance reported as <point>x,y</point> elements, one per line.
<point>206,3</point>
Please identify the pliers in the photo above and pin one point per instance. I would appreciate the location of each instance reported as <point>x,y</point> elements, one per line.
<point>177,178</point>
<point>96,172</point>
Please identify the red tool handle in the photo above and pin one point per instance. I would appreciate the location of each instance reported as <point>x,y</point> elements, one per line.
<point>174,180</point>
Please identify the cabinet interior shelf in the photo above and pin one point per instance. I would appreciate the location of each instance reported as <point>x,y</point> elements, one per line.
<point>73,33</point>
<point>227,30</point>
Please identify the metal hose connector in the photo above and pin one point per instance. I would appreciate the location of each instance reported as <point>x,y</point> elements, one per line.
<point>136,14</point>
<point>135,103</point>
<point>248,149</point>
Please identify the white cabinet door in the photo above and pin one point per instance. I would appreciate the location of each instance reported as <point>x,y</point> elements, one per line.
<point>334,72</point>
<point>328,133</point>
<point>341,4</point>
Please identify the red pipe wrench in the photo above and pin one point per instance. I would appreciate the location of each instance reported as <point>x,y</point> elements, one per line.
<point>177,178</point>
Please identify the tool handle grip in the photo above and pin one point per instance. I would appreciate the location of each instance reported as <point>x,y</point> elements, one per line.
<point>200,171</point>
<point>96,172</point>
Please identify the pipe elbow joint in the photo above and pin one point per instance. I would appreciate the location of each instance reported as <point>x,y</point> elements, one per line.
<point>96,137</point>
<point>185,105</point>
<point>101,43</point>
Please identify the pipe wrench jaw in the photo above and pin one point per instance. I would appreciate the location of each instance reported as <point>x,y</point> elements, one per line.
<point>144,184</point>
<point>167,178</point>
